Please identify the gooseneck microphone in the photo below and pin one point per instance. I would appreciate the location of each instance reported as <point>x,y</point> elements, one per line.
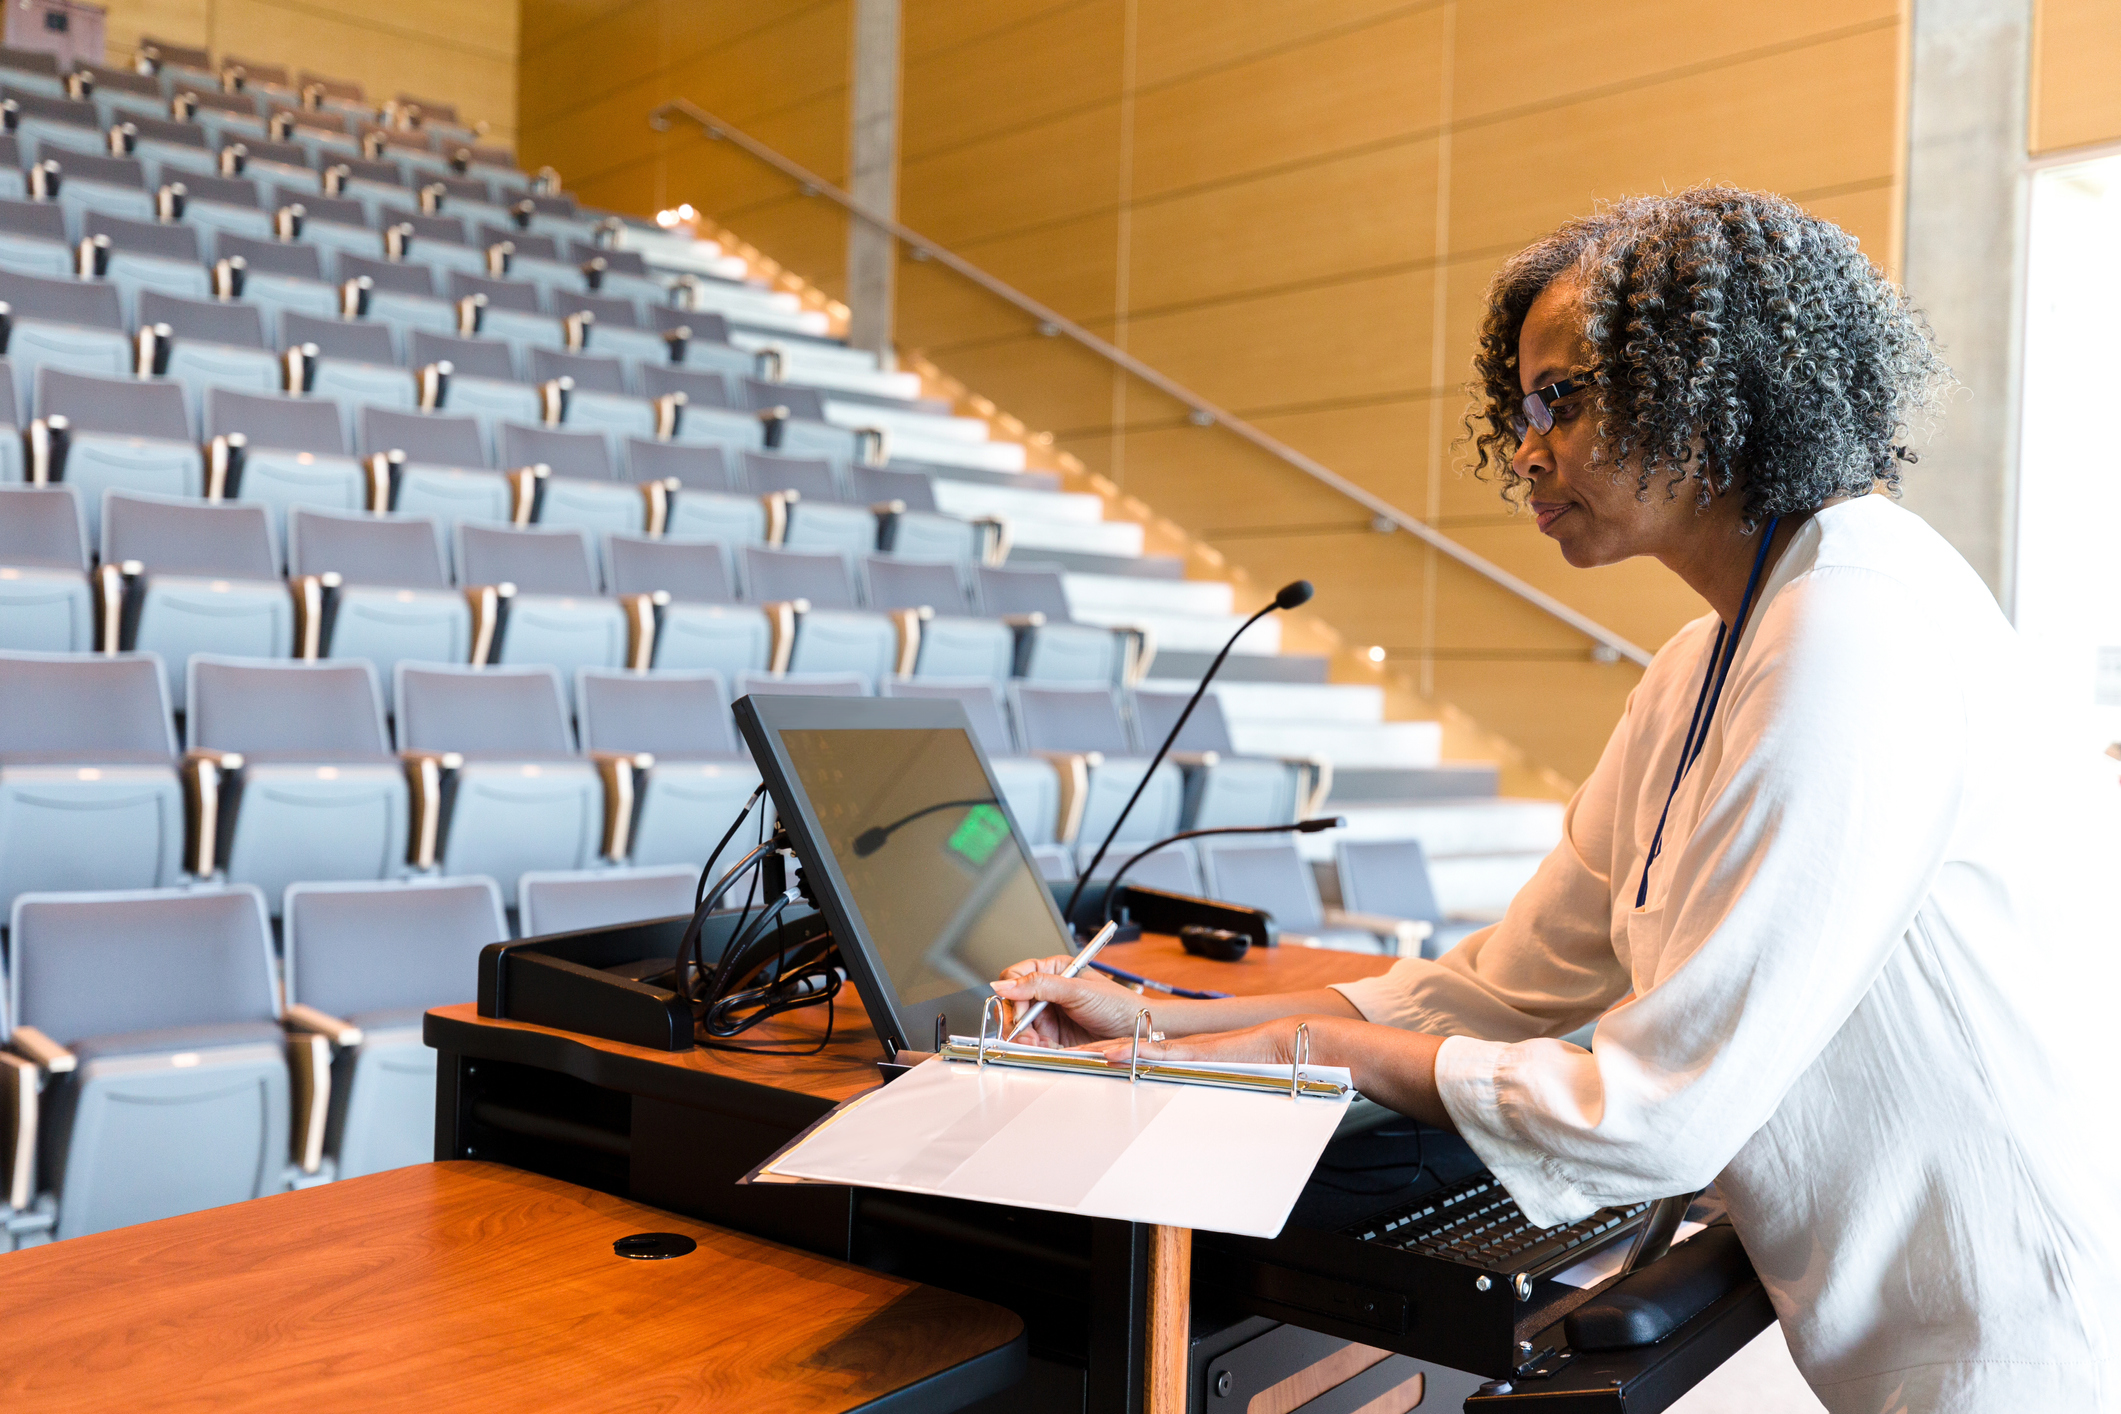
<point>872,839</point>
<point>1287,597</point>
<point>1300,827</point>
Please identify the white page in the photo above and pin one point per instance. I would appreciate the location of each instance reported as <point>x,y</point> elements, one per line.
<point>1185,1155</point>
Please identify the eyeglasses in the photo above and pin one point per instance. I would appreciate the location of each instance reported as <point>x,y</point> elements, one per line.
<point>1539,403</point>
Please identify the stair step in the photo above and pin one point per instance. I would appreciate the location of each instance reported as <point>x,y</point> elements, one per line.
<point>1017,503</point>
<point>1453,780</point>
<point>1089,562</point>
<point>1343,743</point>
<point>1199,632</point>
<point>1185,666</point>
<point>1118,594</point>
<point>989,456</point>
<point>1296,704</point>
<point>1499,825</point>
<point>818,357</point>
<point>1103,537</point>
<point>766,324</point>
<point>939,427</point>
<point>977,476</point>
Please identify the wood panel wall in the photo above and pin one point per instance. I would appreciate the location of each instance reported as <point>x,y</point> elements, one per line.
<point>1292,206</point>
<point>2076,74</point>
<point>458,51</point>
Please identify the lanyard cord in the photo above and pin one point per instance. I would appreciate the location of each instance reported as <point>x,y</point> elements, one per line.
<point>1711,694</point>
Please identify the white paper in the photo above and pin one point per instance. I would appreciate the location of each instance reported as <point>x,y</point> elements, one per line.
<point>1195,1156</point>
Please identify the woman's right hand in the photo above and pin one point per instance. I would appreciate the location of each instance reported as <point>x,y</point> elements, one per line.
<point>1081,1009</point>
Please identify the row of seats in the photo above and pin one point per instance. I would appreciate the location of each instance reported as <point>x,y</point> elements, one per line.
<point>291,771</point>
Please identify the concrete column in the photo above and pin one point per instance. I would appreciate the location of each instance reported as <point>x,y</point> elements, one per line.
<point>1968,94</point>
<point>873,174</point>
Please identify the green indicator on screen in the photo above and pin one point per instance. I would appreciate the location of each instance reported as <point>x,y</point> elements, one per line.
<point>977,835</point>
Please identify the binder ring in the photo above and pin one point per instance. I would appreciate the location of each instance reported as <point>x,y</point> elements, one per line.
<point>989,1008</point>
<point>1134,1060</point>
<point>1302,1054</point>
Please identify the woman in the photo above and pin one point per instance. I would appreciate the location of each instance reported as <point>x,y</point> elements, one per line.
<point>1829,890</point>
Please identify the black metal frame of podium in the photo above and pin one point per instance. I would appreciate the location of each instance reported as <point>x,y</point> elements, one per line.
<point>679,1138</point>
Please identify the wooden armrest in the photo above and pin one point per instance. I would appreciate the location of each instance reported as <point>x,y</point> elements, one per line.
<point>18,1131</point>
<point>206,823</point>
<point>426,772</point>
<point>620,771</point>
<point>1073,768</point>
<point>309,1067</point>
<point>300,1017</point>
<point>1406,933</point>
<point>48,1055</point>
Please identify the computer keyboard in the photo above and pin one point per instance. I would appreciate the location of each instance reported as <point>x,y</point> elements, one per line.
<point>1478,1223</point>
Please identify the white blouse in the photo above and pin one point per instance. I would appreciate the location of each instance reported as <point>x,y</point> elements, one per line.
<point>1866,995</point>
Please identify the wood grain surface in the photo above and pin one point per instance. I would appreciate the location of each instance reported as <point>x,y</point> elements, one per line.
<point>1276,969</point>
<point>462,1287</point>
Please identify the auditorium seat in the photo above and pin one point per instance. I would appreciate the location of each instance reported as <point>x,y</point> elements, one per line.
<point>489,401</point>
<point>216,205</point>
<point>1049,647</point>
<point>1083,725</point>
<point>1222,787</point>
<point>140,255</point>
<point>1390,879</point>
<point>554,612</point>
<point>818,628</point>
<point>89,797</point>
<point>45,603</point>
<point>567,901</point>
<point>155,1019</point>
<point>498,788</point>
<point>1030,784</point>
<point>364,963</point>
<point>1272,876</point>
<point>814,514</point>
<point>434,464</point>
<point>209,581</point>
<point>697,774</point>
<point>33,239</point>
<point>393,600</point>
<point>929,603</point>
<point>909,525</point>
<point>293,453</point>
<point>308,788</point>
<point>617,415</point>
<point>275,276</point>
<point>202,343</point>
<point>705,502</point>
<point>697,624</point>
<point>66,324</point>
<point>804,685</point>
<point>584,488</point>
<point>99,434</point>
<point>95,182</point>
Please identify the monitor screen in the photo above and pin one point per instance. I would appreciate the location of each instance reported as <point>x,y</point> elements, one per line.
<point>946,891</point>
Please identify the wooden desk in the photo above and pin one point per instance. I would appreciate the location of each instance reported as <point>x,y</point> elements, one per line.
<point>677,1129</point>
<point>467,1287</point>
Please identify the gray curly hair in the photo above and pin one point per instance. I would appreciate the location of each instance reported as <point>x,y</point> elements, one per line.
<point>1736,341</point>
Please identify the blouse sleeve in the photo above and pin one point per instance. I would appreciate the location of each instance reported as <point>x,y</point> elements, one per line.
<point>1821,831</point>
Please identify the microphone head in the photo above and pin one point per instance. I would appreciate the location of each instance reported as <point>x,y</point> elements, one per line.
<point>870,841</point>
<point>1322,822</point>
<point>1290,595</point>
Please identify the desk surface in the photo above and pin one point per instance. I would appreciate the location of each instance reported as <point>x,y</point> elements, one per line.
<point>847,1066</point>
<point>463,1287</point>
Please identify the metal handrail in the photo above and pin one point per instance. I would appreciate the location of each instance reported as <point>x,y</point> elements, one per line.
<point>1204,413</point>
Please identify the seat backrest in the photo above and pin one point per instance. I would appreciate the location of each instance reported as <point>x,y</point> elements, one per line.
<point>119,407</point>
<point>675,715</point>
<point>695,468</point>
<point>169,239</point>
<point>549,559</point>
<point>563,902</point>
<point>488,712</point>
<point>61,704</point>
<point>327,711</point>
<point>592,373</point>
<point>302,262</point>
<point>271,420</point>
<point>1206,730</point>
<point>471,358</point>
<point>1171,868</point>
<point>500,294</point>
<point>822,577</point>
<point>437,230</point>
<point>1270,876</point>
<point>397,277</point>
<point>426,438</point>
<point>360,948</point>
<point>812,477</point>
<point>878,483</point>
<point>89,167</point>
<point>42,219</point>
<point>351,339</point>
<point>1387,876</point>
<point>199,186</point>
<point>801,684</point>
<point>92,965</point>
<point>341,211</point>
<point>913,584</point>
<point>806,403</point>
<point>40,526</point>
<point>530,247</point>
<point>982,701</point>
<point>608,309</point>
<point>702,387</point>
<point>584,454</point>
<point>189,537</point>
<point>1022,591</point>
<point>619,262</point>
<point>402,552</point>
<point>1051,717</point>
<point>689,571</point>
<point>209,321</point>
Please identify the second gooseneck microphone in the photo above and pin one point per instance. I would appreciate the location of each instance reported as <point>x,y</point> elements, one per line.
<point>1288,596</point>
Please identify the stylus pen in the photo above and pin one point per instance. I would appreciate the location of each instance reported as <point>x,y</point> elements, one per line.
<point>1082,960</point>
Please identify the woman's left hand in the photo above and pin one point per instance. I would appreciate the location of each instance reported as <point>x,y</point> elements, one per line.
<point>1270,1043</point>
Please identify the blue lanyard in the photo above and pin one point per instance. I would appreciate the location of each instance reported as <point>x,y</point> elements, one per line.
<point>1711,694</point>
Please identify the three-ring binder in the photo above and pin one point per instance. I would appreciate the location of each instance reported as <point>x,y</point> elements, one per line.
<point>982,1051</point>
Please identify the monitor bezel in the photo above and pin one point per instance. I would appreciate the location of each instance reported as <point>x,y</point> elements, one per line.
<point>761,718</point>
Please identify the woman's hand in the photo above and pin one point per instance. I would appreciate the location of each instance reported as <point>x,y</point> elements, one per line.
<point>1270,1043</point>
<point>1081,1009</point>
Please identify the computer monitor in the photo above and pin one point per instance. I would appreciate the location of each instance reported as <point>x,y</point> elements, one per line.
<point>911,851</point>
